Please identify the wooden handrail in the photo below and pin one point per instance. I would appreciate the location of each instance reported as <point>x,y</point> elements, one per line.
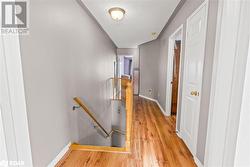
<point>85,108</point>
<point>127,85</point>
<point>124,83</point>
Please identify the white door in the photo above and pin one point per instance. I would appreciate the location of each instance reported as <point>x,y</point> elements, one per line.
<point>6,123</point>
<point>3,149</point>
<point>193,70</point>
<point>14,133</point>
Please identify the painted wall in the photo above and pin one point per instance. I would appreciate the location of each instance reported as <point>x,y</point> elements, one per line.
<point>180,17</point>
<point>134,52</point>
<point>65,55</point>
<point>121,65</point>
<point>128,66</point>
<point>149,55</point>
<point>130,52</point>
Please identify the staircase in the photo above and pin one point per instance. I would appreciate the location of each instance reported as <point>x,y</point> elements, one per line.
<point>120,133</point>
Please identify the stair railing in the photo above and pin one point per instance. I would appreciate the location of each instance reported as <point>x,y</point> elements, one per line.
<point>127,97</point>
<point>89,113</point>
<point>119,86</point>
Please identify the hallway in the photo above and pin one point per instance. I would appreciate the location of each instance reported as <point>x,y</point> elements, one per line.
<point>154,143</point>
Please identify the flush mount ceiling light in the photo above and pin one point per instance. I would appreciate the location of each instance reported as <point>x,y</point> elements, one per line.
<point>117,13</point>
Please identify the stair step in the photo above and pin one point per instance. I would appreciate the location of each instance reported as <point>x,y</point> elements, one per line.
<point>79,147</point>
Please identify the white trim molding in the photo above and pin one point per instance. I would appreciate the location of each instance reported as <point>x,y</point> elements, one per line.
<point>162,110</point>
<point>231,51</point>
<point>243,138</point>
<point>13,102</point>
<point>3,147</point>
<point>197,162</point>
<point>60,155</point>
<point>148,98</point>
<point>178,133</point>
<point>170,70</point>
<point>156,101</point>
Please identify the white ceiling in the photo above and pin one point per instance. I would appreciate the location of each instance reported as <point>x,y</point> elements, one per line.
<point>142,18</point>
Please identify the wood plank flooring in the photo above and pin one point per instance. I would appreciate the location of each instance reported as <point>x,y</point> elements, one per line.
<point>154,144</point>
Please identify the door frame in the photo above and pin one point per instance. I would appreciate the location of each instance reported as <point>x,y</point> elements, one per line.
<point>13,77</point>
<point>170,62</point>
<point>243,138</point>
<point>204,4</point>
<point>3,148</point>
<point>233,28</point>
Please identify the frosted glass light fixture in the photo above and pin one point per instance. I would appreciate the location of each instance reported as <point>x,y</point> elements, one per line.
<point>117,13</point>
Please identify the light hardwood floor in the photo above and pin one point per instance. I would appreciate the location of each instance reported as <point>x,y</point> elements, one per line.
<point>154,143</point>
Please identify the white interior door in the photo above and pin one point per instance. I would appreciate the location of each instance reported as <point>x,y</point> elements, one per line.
<point>3,149</point>
<point>14,136</point>
<point>193,70</point>
<point>242,152</point>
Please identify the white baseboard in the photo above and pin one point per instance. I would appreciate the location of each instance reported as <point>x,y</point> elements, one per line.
<point>156,101</point>
<point>162,110</point>
<point>145,97</point>
<point>59,156</point>
<point>179,134</point>
<point>197,162</point>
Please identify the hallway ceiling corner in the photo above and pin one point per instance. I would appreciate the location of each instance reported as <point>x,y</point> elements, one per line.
<point>143,21</point>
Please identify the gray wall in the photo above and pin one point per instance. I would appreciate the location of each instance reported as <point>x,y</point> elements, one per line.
<point>179,18</point>
<point>130,51</point>
<point>149,55</point>
<point>66,54</point>
<point>128,66</point>
<point>135,61</point>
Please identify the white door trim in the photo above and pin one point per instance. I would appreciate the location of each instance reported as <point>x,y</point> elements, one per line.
<point>170,71</point>
<point>242,151</point>
<point>231,50</point>
<point>15,98</point>
<point>196,122</point>
<point>3,148</point>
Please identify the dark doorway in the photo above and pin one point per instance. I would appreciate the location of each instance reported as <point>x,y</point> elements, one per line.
<point>175,81</point>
